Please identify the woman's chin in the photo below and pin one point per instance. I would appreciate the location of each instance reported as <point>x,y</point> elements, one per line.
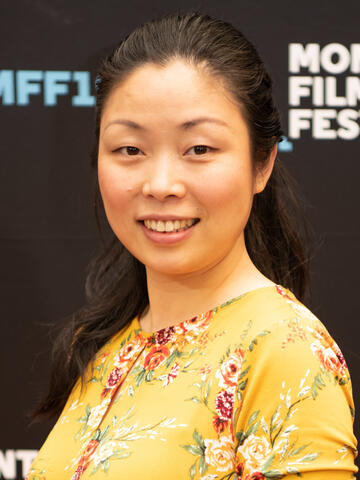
<point>172,268</point>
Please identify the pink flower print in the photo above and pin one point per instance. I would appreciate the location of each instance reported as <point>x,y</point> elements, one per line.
<point>78,472</point>
<point>239,469</point>
<point>224,404</point>
<point>219,424</point>
<point>165,335</point>
<point>229,371</point>
<point>114,377</point>
<point>283,293</point>
<point>255,476</point>
<point>172,374</point>
<point>155,357</point>
<point>129,350</point>
<point>195,325</point>
<point>340,356</point>
<point>204,372</point>
<point>331,360</point>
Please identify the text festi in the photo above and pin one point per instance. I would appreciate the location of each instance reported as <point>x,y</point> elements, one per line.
<point>20,86</point>
<point>332,81</point>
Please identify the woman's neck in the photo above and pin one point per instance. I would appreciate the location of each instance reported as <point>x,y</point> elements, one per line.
<point>173,299</point>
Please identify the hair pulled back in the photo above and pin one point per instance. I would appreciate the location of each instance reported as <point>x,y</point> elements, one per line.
<point>116,286</point>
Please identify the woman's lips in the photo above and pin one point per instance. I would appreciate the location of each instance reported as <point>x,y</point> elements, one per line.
<point>167,238</point>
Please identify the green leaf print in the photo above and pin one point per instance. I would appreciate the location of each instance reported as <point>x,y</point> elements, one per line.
<point>119,454</point>
<point>253,417</point>
<point>84,419</point>
<point>268,462</point>
<point>242,374</point>
<point>187,364</point>
<point>246,331</point>
<point>172,357</point>
<point>242,385</point>
<point>98,372</point>
<point>193,399</point>
<point>274,418</point>
<point>194,449</point>
<point>263,333</point>
<point>309,458</point>
<point>273,474</point>
<point>254,341</point>
<point>198,385</point>
<point>198,438</point>
<point>293,470</point>
<point>253,429</point>
<point>297,450</point>
<point>207,392</point>
<point>318,384</point>
<point>198,449</point>
<point>192,470</point>
<point>241,436</point>
<point>140,377</point>
<point>136,370</point>
<point>202,465</point>
<point>106,465</point>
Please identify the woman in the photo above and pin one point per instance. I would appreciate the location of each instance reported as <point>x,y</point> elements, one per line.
<point>193,357</point>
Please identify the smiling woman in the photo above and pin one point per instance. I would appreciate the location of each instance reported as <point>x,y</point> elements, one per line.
<point>184,363</point>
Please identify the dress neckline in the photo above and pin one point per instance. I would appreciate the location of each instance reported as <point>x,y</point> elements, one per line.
<point>216,309</point>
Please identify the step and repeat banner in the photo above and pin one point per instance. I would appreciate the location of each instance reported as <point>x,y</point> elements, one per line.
<point>48,57</point>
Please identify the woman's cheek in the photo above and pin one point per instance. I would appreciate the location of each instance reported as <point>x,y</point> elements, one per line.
<point>112,186</point>
<point>221,190</point>
<point>113,193</point>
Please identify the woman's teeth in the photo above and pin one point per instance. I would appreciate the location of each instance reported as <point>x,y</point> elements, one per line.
<point>169,225</point>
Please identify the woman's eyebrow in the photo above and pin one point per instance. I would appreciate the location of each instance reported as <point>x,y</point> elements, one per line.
<point>196,121</point>
<point>183,126</point>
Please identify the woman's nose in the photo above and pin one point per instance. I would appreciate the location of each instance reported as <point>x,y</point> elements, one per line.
<point>163,180</point>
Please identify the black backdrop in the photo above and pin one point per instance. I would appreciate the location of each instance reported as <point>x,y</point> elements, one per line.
<point>47,231</point>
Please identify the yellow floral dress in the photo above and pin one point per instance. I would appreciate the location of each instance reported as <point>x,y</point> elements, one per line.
<point>253,389</point>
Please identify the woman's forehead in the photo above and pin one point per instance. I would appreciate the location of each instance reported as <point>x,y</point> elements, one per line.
<point>178,91</point>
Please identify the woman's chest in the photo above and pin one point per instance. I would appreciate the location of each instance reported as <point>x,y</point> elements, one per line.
<point>149,407</point>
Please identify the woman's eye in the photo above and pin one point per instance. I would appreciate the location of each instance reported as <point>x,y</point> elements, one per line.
<point>201,149</point>
<point>129,151</point>
<point>134,151</point>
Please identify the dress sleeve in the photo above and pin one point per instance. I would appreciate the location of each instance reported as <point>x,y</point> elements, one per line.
<point>295,409</point>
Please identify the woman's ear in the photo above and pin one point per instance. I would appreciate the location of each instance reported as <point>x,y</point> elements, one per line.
<point>264,173</point>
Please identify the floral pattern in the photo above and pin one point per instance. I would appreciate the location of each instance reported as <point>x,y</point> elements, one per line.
<point>239,392</point>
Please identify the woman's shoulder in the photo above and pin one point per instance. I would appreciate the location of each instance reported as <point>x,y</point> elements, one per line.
<point>267,307</point>
<point>274,326</point>
<point>276,313</point>
<point>284,308</point>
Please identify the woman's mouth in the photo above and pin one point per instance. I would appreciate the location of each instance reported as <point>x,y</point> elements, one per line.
<point>169,226</point>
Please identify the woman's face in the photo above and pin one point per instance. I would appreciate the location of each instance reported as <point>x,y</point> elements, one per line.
<point>174,169</point>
